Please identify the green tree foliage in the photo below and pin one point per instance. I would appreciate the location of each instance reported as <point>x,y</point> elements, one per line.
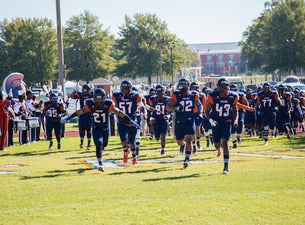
<point>29,46</point>
<point>87,48</point>
<point>276,40</point>
<point>146,46</point>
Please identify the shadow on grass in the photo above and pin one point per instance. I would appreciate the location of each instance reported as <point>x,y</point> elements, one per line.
<point>78,171</point>
<point>196,175</point>
<point>56,173</point>
<point>37,153</point>
<point>296,142</point>
<point>39,177</point>
<point>79,157</point>
<point>155,170</point>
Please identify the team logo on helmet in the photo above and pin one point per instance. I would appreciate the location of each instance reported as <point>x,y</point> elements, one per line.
<point>126,87</point>
<point>53,98</point>
<point>233,87</point>
<point>183,85</point>
<point>99,95</point>
<point>160,90</point>
<point>194,86</point>
<point>86,88</point>
<point>152,91</point>
<point>223,85</point>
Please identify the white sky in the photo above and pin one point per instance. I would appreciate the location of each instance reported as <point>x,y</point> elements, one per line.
<point>194,21</point>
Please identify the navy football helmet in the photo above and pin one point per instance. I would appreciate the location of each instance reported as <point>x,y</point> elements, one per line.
<point>126,87</point>
<point>223,85</point>
<point>160,90</point>
<point>194,86</point>
<point>86,88</point>
<point>53,98</point>
<point>99,95</point>
<point>233,87</point>
<point>183,85</point>
<point>152,92</point>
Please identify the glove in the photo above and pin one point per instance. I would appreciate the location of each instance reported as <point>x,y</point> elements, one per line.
<point>65,119</point>
<point>151,121</point>
<point>133,123</point>
<point>179,108</point>
<point>213,122</point>
<point>166,117</point>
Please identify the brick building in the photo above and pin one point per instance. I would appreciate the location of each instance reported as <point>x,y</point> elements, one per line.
<point>218,58</point>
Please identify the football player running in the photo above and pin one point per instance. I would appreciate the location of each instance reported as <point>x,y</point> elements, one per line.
<point>100,108</point>
<point>183,101</point>
<point>221,111</point>
<point>267,102</point>
<point>128,101</point>
<point>53,111</point>
<point>159,118</point>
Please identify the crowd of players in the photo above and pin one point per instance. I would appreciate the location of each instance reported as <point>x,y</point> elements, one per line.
<point>218,115</point>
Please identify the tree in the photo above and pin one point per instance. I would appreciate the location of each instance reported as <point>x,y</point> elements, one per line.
<point>144,48</point>
<point>252,51</point>
<point>87,48</point>
<point>276,39</point>
<point>30,48</point>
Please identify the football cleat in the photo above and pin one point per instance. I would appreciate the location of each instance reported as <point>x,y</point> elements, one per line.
<point>81,145</point>
<point>88,147</point>
<point>134,161</point>
<point>208,143</point>
<point>238,140</point>
<point>234,145</point>
<point>225,170</point>
<point>125,157</point>
<point>101,168</point>
<point>181,150</point>
<point>218,153</point>
<point>58,146</point>
<point>185,163</point>
<point>50,145</point>
<point>162,152</point>
<point>199,146</point>
<point>194,149</point>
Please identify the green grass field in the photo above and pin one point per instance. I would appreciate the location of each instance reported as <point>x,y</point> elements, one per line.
<point>266,185</point>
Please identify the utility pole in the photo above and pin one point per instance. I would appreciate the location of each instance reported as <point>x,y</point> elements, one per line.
<point>171,45</point>
<point>61,72</point>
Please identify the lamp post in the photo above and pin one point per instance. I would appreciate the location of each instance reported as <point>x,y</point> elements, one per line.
<point>77,61</point>
<point>171,45</point>
<point>61,73</point>
<point>160,44</point>
<point>291,47</point>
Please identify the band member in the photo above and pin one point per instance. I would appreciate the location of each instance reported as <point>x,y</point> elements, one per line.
<point>21,113</point>
<point>4,120</point>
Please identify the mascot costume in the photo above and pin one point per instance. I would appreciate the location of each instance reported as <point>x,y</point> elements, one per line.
<point>11,84</point>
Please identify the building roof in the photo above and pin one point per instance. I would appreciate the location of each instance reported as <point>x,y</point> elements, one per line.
<point>210,48</point>
<point>100,81</point>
